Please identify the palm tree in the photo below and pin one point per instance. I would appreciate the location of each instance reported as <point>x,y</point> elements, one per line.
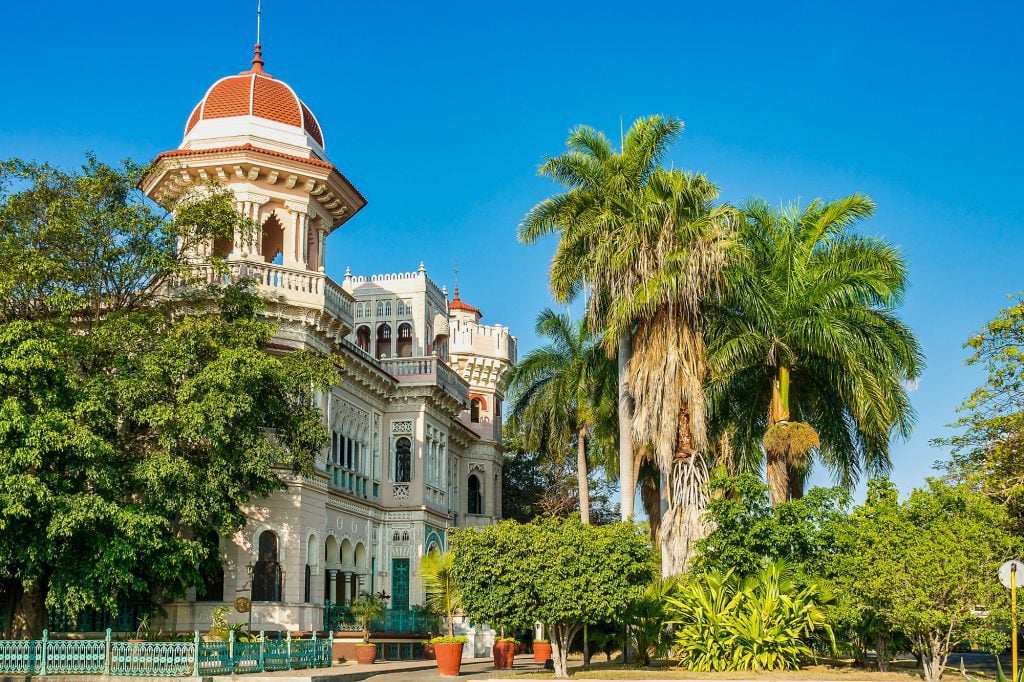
<point>806,352</point>
<point>677,243</point>
<point>442,593</point>
<point>601,187</point>
<point>366,608</point>
<point>560,392</point>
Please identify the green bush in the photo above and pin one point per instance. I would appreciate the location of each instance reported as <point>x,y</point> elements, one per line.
<point>763,622</point>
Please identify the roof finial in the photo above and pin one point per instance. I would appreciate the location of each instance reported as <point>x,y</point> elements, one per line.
<point>257,57</point>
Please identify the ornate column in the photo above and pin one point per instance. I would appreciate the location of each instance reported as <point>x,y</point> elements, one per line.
<point>321,240</point>
<point>295,235</point>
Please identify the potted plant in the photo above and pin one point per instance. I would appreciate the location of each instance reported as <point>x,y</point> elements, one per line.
<point>504,651</point>
<point>366,608</point>
<point>541,650</point>
<point>428,650</point>
<point>443,597</point>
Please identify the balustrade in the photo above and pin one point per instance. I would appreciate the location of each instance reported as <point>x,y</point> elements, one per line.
<point>427,370</point>
<point>302,287</point>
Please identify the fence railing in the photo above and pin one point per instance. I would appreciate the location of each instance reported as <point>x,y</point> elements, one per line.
<point>339,618</point>
<point>162,659</point>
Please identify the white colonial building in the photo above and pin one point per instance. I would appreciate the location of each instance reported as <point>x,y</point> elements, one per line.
<point>415,422</point>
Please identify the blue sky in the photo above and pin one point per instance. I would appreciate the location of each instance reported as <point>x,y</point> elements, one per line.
<point>441,112</point>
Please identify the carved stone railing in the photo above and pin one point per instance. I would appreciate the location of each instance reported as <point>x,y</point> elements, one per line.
<point>427,371</point>
<point>301,288</point>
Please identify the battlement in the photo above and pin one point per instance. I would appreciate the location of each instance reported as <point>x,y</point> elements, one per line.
<point>494,341</point>
<point>389,280</point>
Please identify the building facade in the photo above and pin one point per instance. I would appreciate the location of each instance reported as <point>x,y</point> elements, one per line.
<point>415,422</point>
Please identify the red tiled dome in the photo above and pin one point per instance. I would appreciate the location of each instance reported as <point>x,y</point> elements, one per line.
<point>255,93</point>
<point>458,304</point>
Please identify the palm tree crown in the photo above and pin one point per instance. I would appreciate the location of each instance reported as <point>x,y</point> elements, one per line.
<point>808,333</point>
<point>602,188</point>
<point>563,393</point>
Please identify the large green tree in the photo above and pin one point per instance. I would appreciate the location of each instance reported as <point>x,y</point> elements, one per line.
<point>557,571</point>
<point>133,425</point>
<point>988,450</point>
<point>602,189</point>
<point>561,393</point>
<point>925,565</point>
<point>806,352</point>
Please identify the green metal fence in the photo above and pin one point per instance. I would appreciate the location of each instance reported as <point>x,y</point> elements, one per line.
<point>161,659</point>
<point>339,618</point>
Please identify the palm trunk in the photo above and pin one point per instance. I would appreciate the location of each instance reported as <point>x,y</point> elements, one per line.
<point>627,477</point>
<point>581,475</point>
<point>684,500</point>
<point>650,498</point>
<point>777,468</point>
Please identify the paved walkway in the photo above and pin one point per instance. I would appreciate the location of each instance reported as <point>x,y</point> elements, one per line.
<point>388,671</point>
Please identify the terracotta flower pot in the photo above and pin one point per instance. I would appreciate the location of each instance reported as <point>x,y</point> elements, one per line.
<point>504,655</point>
<point>449,658</point>
<point>366,653</point>
<point>428,651</point>
<point>541,652</point>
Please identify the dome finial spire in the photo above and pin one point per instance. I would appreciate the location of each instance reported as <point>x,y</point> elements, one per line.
<point>257,57</point>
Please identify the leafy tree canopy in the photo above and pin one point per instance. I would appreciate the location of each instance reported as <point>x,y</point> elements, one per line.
<point>750,531</point>
<point>989,450</point>
<point>926,564</point>
<point>557,571</point>
<point>132,427</point>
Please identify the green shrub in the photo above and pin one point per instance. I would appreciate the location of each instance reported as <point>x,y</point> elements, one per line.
<point>764,622</point>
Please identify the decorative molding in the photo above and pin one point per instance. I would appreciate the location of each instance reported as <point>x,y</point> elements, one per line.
<point>401,427</point>
<point>477,466</point>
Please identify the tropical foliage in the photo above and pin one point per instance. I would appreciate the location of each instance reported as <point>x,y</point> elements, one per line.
<point>366,608</point>
<point>806,352</point>
<point>443,594</point>
<point>563,394</point>
<point>556,571</point>
<point>602,192</point>
<point>767,621</point>
<point>926,564</point>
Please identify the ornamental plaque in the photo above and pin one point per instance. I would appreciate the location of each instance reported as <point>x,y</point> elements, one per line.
<point>242,604</point>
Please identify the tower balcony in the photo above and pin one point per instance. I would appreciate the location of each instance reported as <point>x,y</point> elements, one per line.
<point>428,371</point>
<point>292,295</point>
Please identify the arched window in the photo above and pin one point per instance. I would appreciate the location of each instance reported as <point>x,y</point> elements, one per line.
<point>475,503</point>
<point>403,348</point>
<point>266,574</point>
<point>403,460</point>
<point>384,341</point>
<point>474,410</point>
<point>363,338</point>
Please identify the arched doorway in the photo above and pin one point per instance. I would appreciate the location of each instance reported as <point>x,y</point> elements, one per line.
<point>266,574</point>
